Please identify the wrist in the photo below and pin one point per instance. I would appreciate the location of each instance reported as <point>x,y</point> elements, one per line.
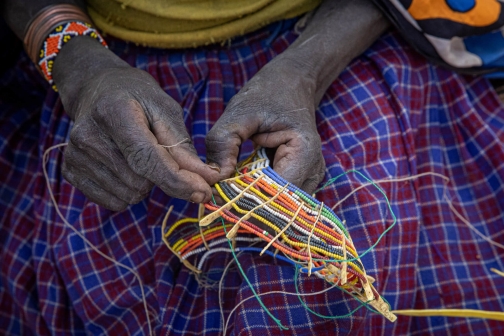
<point>77,63</point>
<point>49,32</point>
<point>338,32</point>
<point>296,72</point>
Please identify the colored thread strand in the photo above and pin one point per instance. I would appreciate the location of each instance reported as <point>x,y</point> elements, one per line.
<point>45,159</point>
<point>250,194</point>
<point>464,313</point>
<point>277,321</point>
<point>308,233</point>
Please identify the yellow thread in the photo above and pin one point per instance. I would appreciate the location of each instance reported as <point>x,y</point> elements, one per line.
<point>180,222</point>
<point>179,245</point>
<point>496,271</point>
<point>283,230</point>
<point>216,214</point>
<point>309,239</point>
<point>201,213</point>
<point>234,230</point>
<point>290,242</point>
<point>290,213</point>
<point>485,314</point>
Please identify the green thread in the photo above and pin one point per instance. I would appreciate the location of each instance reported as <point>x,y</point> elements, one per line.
<point>388,205</point>
<point>365,304</point>
<point>325,212</point>
<point>277,321</point>
<point>296,275</point>
<point>362,304</point>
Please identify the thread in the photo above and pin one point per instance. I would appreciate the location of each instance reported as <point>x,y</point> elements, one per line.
<point>269,293</point>
<point>403,179</point>
<point>445,197</point>
<point>464,313</point>
<point>241,190</point>
<point>94,248</point>
<point>261,194</point>
<point>277,321</point>
<point>496,271</point>
<point>185,140</point>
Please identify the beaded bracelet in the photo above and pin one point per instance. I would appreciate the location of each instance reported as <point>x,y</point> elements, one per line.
<point>50,29</point>
<point>58,37</point>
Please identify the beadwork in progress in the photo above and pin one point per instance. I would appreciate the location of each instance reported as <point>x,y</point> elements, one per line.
<point>193,244</point>
<point>261,207</point>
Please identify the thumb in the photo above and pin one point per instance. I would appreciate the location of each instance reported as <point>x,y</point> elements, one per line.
<point>298,157</point>
<point>224,140</point>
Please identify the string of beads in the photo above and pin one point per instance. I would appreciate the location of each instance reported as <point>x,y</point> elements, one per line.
<point>259,205</point>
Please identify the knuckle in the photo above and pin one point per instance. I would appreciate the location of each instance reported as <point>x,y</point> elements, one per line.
<point>85,185</point>
<point>181,190</point>
<point>136,198</point>
<point>141,159</point>
<point>67,173</point>
<point>143,75</point>
<point>119,207</point>
<point>144,187</point>
<point>175,107</point>
<point>100,112</point>
<point>79,137</point>
<point>319,176</point>
<point>319,173</point>
<point>69,159</point>
<point>216,136</point>
<point>113,204</point>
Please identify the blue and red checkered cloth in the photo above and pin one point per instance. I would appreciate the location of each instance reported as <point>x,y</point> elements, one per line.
<point>389,115</point>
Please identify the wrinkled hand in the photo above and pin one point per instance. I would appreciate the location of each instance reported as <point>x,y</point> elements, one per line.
<point>122,117</point>
<point>276,109</point>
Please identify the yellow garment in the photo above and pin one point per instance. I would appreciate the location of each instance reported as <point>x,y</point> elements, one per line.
<point>189,23</point>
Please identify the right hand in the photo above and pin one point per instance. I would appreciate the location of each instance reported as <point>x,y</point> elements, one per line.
<point>122,117</point>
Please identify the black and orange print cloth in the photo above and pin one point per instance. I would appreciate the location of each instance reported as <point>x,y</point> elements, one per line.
<point>466,35</point>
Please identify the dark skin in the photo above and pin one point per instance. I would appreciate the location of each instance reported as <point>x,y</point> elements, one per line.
<point>122,116</point>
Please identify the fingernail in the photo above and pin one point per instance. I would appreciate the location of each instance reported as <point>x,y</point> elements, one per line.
<point>197,197</point>
<point>214,166</point>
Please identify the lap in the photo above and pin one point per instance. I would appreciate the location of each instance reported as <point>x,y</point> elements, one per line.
<point>389,115</point>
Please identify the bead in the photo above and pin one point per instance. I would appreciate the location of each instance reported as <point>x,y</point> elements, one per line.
<point>61,35</point>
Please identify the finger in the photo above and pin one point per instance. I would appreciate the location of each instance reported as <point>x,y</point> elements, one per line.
<point>171,133</point>
<point>93,191</point>
<point>104,150</point>
<point>225,138</point>
<point>130,131</point>
<point>82,164</point>
<point>298,157</point>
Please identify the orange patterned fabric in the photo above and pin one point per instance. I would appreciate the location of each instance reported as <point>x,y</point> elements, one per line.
<point>483,13</point>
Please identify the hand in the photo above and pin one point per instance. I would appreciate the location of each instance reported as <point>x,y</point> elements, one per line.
<point>122,119</point>
<point>276,109</point>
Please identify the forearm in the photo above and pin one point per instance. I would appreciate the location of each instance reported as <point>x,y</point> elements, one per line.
<point>19,13</point>
<point>339,31</point>
<point>74,65</point>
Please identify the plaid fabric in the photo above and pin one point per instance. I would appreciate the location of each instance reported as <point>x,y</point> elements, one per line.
<point>389,115</point>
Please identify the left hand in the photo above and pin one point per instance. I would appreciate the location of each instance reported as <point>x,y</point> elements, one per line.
<point>275,109</point>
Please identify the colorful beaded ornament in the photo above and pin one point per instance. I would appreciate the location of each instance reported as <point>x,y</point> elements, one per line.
<point>57,39</point>
<point>262,207</point>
